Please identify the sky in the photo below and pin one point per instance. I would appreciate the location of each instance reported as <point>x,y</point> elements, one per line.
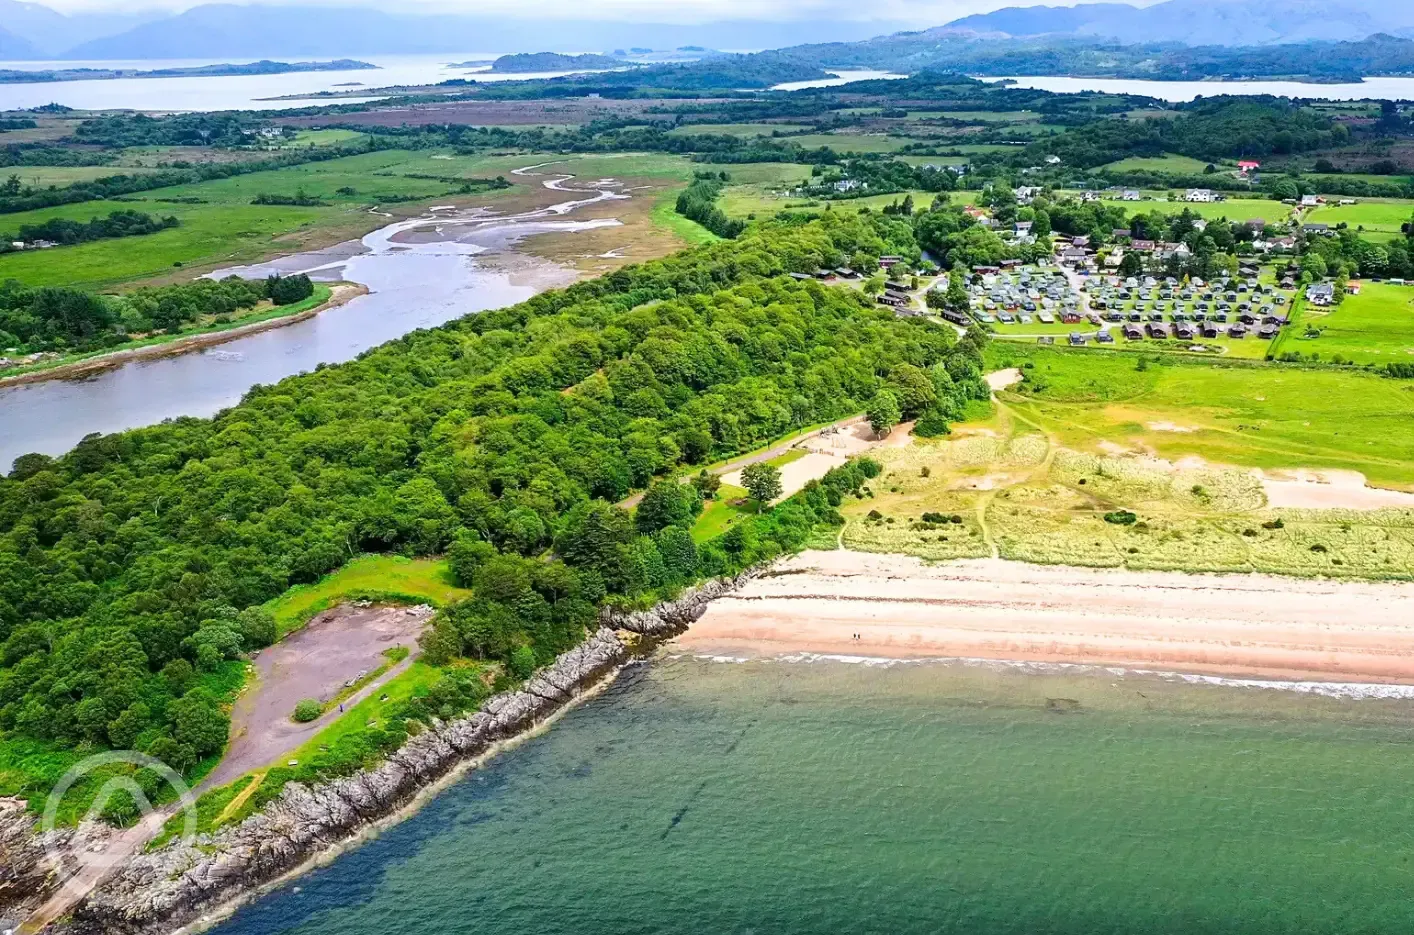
<point>657,11</point>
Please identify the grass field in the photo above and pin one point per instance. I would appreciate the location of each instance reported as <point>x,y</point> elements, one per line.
<point>371,577</point>
<point>205,324</point>
<point>1169,162</point>
<point>1384,216</point>
<point>1374,327</point>
<point>729,129</point>
<point>1234,209</point>
<point>1254,415</point>
<point>852,142</point>
<point>44,176</point>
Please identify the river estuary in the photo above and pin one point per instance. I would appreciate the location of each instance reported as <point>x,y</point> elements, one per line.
<point>420,273</point>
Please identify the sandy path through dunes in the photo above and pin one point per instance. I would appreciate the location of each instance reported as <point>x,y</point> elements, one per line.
<point>1223,624</point>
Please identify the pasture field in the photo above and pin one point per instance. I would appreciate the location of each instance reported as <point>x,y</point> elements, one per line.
<point>1254,415</point>
<point>730,129</point>
<point>1169,162</point>
<point>853,142</point>
<point>1384,215</point>
<point>1374,327</point>
<point>1234,209</point>
<point>44,176</point>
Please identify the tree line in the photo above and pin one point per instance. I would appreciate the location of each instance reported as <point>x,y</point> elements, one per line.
<point>122,223</point>
<point>698,202</point>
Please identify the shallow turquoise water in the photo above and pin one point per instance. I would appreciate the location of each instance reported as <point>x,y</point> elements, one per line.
<point>938,798</point>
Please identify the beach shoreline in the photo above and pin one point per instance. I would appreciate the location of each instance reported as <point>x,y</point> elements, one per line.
<point>879,607</point>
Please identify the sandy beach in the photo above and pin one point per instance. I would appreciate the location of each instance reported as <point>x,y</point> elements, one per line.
<point>895,606</point>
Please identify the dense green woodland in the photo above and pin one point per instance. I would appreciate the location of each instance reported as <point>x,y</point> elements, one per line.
<point>501,438</point>
<point>57,318</point>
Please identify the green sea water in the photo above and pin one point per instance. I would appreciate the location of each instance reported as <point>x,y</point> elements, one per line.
<point>824,797</point>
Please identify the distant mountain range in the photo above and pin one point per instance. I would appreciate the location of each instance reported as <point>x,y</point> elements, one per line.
<point>221,31</point>
<point>1202,22</point>
<point>227,31</point>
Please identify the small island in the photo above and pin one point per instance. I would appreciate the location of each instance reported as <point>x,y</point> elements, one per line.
<point>553,61</point>
<point>262,67</point>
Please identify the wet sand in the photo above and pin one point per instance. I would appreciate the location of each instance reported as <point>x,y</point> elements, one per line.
<point>899,607</point>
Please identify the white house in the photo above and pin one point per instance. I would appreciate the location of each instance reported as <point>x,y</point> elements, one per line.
<point>1199,195</point>
<point>847,185</point>
<point>1053,160</point>
<point>1310,201</point>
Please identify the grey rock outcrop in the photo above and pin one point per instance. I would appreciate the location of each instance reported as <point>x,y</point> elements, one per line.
<point>673,617</point>
<point>172,886</point>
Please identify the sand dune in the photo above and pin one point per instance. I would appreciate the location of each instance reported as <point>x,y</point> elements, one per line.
<point>1256,625</point>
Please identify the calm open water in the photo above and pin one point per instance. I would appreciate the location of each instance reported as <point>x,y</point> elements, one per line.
<point>239,92</point>
<point>1387,88</point>
<point>827,798</point>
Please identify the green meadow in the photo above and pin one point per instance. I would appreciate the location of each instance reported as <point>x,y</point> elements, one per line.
<point>1256,415</point>
<point>372,577</point>
<point>1169,162</point>
<point>1234,209</point>
<point>1384,216</point>
<point>730,129</point>
<point>1374,327</point>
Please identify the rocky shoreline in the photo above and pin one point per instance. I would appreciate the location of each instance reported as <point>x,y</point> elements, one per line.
<point>185,883</point>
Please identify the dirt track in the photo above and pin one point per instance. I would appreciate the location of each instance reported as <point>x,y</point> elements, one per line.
<point>313,662</point>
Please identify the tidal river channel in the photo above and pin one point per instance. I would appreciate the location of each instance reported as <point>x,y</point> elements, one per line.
<point>420,273</point>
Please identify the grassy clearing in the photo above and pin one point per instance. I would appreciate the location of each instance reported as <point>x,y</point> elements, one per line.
<point>44,176</point>
<point>371,577</point>
<point>1384,215</point>
<point>1376,326</point>
<point>729,129</point>
<point>853,142</point>
<point>1169,162</point>
<point>721,514</point>
<point>665,215</point>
